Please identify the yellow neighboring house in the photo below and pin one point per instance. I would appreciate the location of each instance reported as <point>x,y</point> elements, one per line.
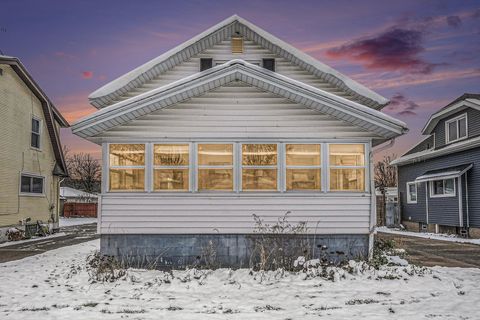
<point>31,158</point>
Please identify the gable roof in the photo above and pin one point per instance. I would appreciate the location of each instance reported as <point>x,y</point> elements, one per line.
<point>238,70</point>
<point>51,113</point>
<point>135,78</point>
<point>467,100</point>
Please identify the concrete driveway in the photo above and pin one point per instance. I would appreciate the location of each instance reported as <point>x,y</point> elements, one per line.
<point>73,235</point>
<point>429,253</point>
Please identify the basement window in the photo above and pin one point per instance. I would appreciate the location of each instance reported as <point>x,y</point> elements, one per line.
<point>237,44</point>
<point>269,64</point>
<point>206,63</point>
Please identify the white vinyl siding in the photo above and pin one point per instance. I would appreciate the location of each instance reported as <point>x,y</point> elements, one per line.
<point>200,213</point>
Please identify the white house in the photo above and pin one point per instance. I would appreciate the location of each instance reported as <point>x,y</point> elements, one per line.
<point>231,123</point>
<point>78,196</point>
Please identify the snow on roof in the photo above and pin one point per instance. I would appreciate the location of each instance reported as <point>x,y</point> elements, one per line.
<point>124,82</point>
<point>68,192</point>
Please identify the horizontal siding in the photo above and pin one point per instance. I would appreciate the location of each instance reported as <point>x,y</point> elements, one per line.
<point>170,214</point>
<point>237,111</point>
<point>443,214</point>
<point>221,53</point>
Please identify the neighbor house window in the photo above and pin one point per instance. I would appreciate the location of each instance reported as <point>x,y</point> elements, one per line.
<point>31,184</point>
<point>303,166</point>
<point>171,167</point>
<point>35,135</point>
<point>411,192</point>
<point>206,63</point>
<point>237,44</point>
<point>456,129</point>
<point>269,64</point>
<point>127,167</point>
<point>259,167</point>
<point>215,167</point>
<point>347,167</point>
<point>442,188</point>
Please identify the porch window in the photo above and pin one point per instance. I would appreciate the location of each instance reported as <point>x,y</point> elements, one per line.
<point>303,167</point>
<point>347,167</point>
<point>127,167</point>
<point>31,184</point>
<point>456,129</point>
<point>171,167</point>
<point>411,192</point>
<point>215,167</point>
<point>442,188</point>
<point>35,135</point>
<point>259,167</point>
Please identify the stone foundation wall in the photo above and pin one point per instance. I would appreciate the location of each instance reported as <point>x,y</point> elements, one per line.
<point>231,250</point>
<point>411,225</point>
<point>474,233</point>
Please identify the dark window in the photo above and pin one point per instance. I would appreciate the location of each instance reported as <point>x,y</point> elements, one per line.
<point>31,184</point>
<point>269,64</point>
<point>206,63</point>
<point>35,139</point>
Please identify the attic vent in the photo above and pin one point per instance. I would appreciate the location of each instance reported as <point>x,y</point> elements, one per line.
<point>237,44</point>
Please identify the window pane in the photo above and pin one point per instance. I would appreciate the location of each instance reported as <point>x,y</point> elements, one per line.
<point>215,179</point>
<point>25,184</point>
<point>259,179</point>
<point>215,154</point>
<point>127,154</point>
<point>259,154</point>
<point>35,140</point>
<point>37,186</point>
<point>127,179</point>
<point>452,131</point>
<point>303,154</point>
<point>347,179</point>
<point>303,179</point>
<point>347,154</point>
<point>170,179</point>
<point>171,154</point>
<point>412,189</point>
<point>438,187</point>
<point>35,126</point>
<point>462,128</point>
<point>449,186</point>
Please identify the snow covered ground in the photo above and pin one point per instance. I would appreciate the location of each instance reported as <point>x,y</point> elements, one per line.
<point>47,237</point>
<point>426,235</point>
<point>67,222</point>
<point>55,285</point>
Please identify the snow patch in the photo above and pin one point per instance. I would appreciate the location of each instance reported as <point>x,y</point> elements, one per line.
<point>433,236</point>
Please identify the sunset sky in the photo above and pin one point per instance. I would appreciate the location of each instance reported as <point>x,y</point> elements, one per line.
<point>419,54</point>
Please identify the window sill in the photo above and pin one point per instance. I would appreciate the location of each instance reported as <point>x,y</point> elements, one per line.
<point>36,149</point>
<point>457,140</point>
<point>443,196</point>
<point>38,195</point>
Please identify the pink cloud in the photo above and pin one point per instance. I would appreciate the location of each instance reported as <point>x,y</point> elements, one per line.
<point>87,74</point>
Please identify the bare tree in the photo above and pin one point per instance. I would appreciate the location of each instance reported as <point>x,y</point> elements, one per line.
<point>84,170</point>
<point>385,174</point>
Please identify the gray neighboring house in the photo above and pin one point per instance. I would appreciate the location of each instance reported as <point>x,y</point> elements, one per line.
<point>439,178</point>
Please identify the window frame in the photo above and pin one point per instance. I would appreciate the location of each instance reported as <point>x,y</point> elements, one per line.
<point>456,120</point>
<point>31,194</point>
<point>409,196</point>
<point>278,167</point>
<point>197,168</point>
<point>366,166</point>
<point>274,64</point>
<point>151,187</point>
<point>39,133</point>
<point>443,195</point>
<point>285,167</point>
<point>200,64</point>
<point>144,167</point>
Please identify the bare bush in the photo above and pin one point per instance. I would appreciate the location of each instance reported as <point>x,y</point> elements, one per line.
<point>278,246</point>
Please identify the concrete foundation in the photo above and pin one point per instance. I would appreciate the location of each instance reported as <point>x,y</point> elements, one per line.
<point>230,250</point>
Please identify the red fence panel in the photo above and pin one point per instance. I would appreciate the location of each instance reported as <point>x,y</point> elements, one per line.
<point>73,209</point>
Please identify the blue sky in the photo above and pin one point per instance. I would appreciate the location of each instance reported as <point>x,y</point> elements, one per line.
<point>419,54</point>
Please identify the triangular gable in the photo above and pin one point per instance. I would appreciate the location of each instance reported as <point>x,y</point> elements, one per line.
<point>109,93</point>
<point>364,117</point>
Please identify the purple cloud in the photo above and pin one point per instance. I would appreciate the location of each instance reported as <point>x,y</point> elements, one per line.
<point>454,21</point>
<point>402,105</point>
<point>396,49</point>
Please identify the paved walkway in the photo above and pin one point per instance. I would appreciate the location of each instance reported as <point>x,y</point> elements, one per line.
<point>73,235</point>
<point>429,253</point>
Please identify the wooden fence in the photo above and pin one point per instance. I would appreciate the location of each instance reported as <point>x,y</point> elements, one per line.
<point>73,209</point>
